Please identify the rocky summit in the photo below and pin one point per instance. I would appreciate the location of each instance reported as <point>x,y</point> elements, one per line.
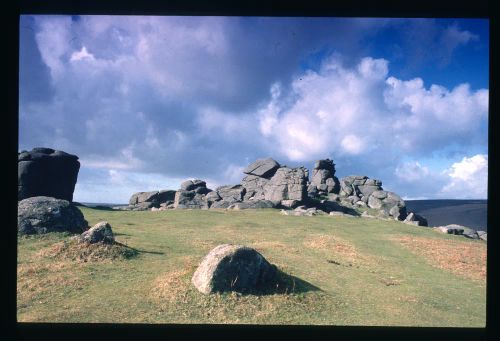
<point>233,268</point>
<point>46,172</point>
<point>267,184</point>
<point>39,215</point>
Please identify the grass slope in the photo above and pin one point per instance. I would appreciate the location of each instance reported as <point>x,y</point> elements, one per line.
<point>344,271</point>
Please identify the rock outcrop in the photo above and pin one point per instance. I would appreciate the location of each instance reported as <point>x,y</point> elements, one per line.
<point>147,200</point>
<point>323,179</point>
<point>415,219</point>
<point>47,172</point>
<point>234,268</point>
<point>38,215</point>
<point>287,184</point>
<point>268,184</point>
<point>192,194</point>
<point>389,203</point>
<point>100,232</point>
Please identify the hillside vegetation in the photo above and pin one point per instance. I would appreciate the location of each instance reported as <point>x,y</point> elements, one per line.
<point>343,271</point>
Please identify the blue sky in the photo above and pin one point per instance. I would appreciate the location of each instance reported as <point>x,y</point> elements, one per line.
<point>147,102</point>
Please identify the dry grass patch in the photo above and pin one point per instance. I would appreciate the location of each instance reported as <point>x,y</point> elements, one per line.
<point>82,252</point>
<point>35,279</point>
<point>466,259</point>
<point>336,247</point>
<point>262,246</point>
<point>174,285</point>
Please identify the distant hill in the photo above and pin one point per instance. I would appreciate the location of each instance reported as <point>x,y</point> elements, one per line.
<point>470,213</point>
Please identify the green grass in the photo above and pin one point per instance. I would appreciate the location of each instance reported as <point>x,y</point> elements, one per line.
<point>348,271</point>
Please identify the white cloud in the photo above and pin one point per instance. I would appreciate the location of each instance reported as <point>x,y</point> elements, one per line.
<point>352,144</point>
<point>412,172</point>
<point>468,178</point>
<point>362,111</point>
<point>82,54</point>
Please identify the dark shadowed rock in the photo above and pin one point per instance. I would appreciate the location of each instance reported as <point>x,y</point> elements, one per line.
<point>233,268</point>
<point>100,232</point>
<point>231,193</point>
<point>47,172</point>
<point>252,204</point>
<point>38,215</point>
<point>192,195</point>
<point>451,229</point>
<point>264,168</point>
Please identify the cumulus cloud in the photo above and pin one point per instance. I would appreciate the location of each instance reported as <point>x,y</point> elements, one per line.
<point>364,111</point>
<point>468,178</point>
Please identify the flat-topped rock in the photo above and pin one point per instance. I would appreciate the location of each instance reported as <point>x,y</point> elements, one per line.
<point>264,168</point>
<point>47,172</point>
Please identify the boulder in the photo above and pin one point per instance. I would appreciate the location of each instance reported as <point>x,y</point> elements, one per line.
<point>451,229</point>
<point>254,187</point>
<point>151,199</point>
<point>192,195</point>
<point>253,204</point>
<point>470,233</point>
<point>290,203</point>
<point>264,168</point>
<point>190,200</point>
<point>190,185</point>
<point>47,172</point>
<point>342,214</point>
<point>390,203</point>
<point>38,215</point>
<point>100,232</point>
<point>482,235</point>
<point>212,197</point>
<point>303,211</point>
<point>415,219</point>
<point>234,268</point>
<point>287,184</point>
<point>231,193</point>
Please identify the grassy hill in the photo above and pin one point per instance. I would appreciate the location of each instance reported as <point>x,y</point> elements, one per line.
<point>343,271</point>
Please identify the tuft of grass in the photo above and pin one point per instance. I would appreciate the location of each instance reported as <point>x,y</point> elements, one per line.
<point>85,252</point>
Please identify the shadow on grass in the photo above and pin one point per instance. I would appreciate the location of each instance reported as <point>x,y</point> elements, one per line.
<point>103,208</point>
<point>120,234</point>
<point>288,284</point>
<point>137,251</point>
<point>282,284</point>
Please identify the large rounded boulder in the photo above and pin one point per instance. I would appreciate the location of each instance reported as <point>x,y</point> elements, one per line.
<point>234,268</point>
<point>47,172</point>
<point>38,215</point>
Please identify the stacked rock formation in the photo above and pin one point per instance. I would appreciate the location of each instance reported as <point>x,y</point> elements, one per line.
<point>266,185</point>
<point>192,194</point>
<point>361,191</point>
<point>47,172</point>
<point>323,179</point>
<point>147,200</point>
